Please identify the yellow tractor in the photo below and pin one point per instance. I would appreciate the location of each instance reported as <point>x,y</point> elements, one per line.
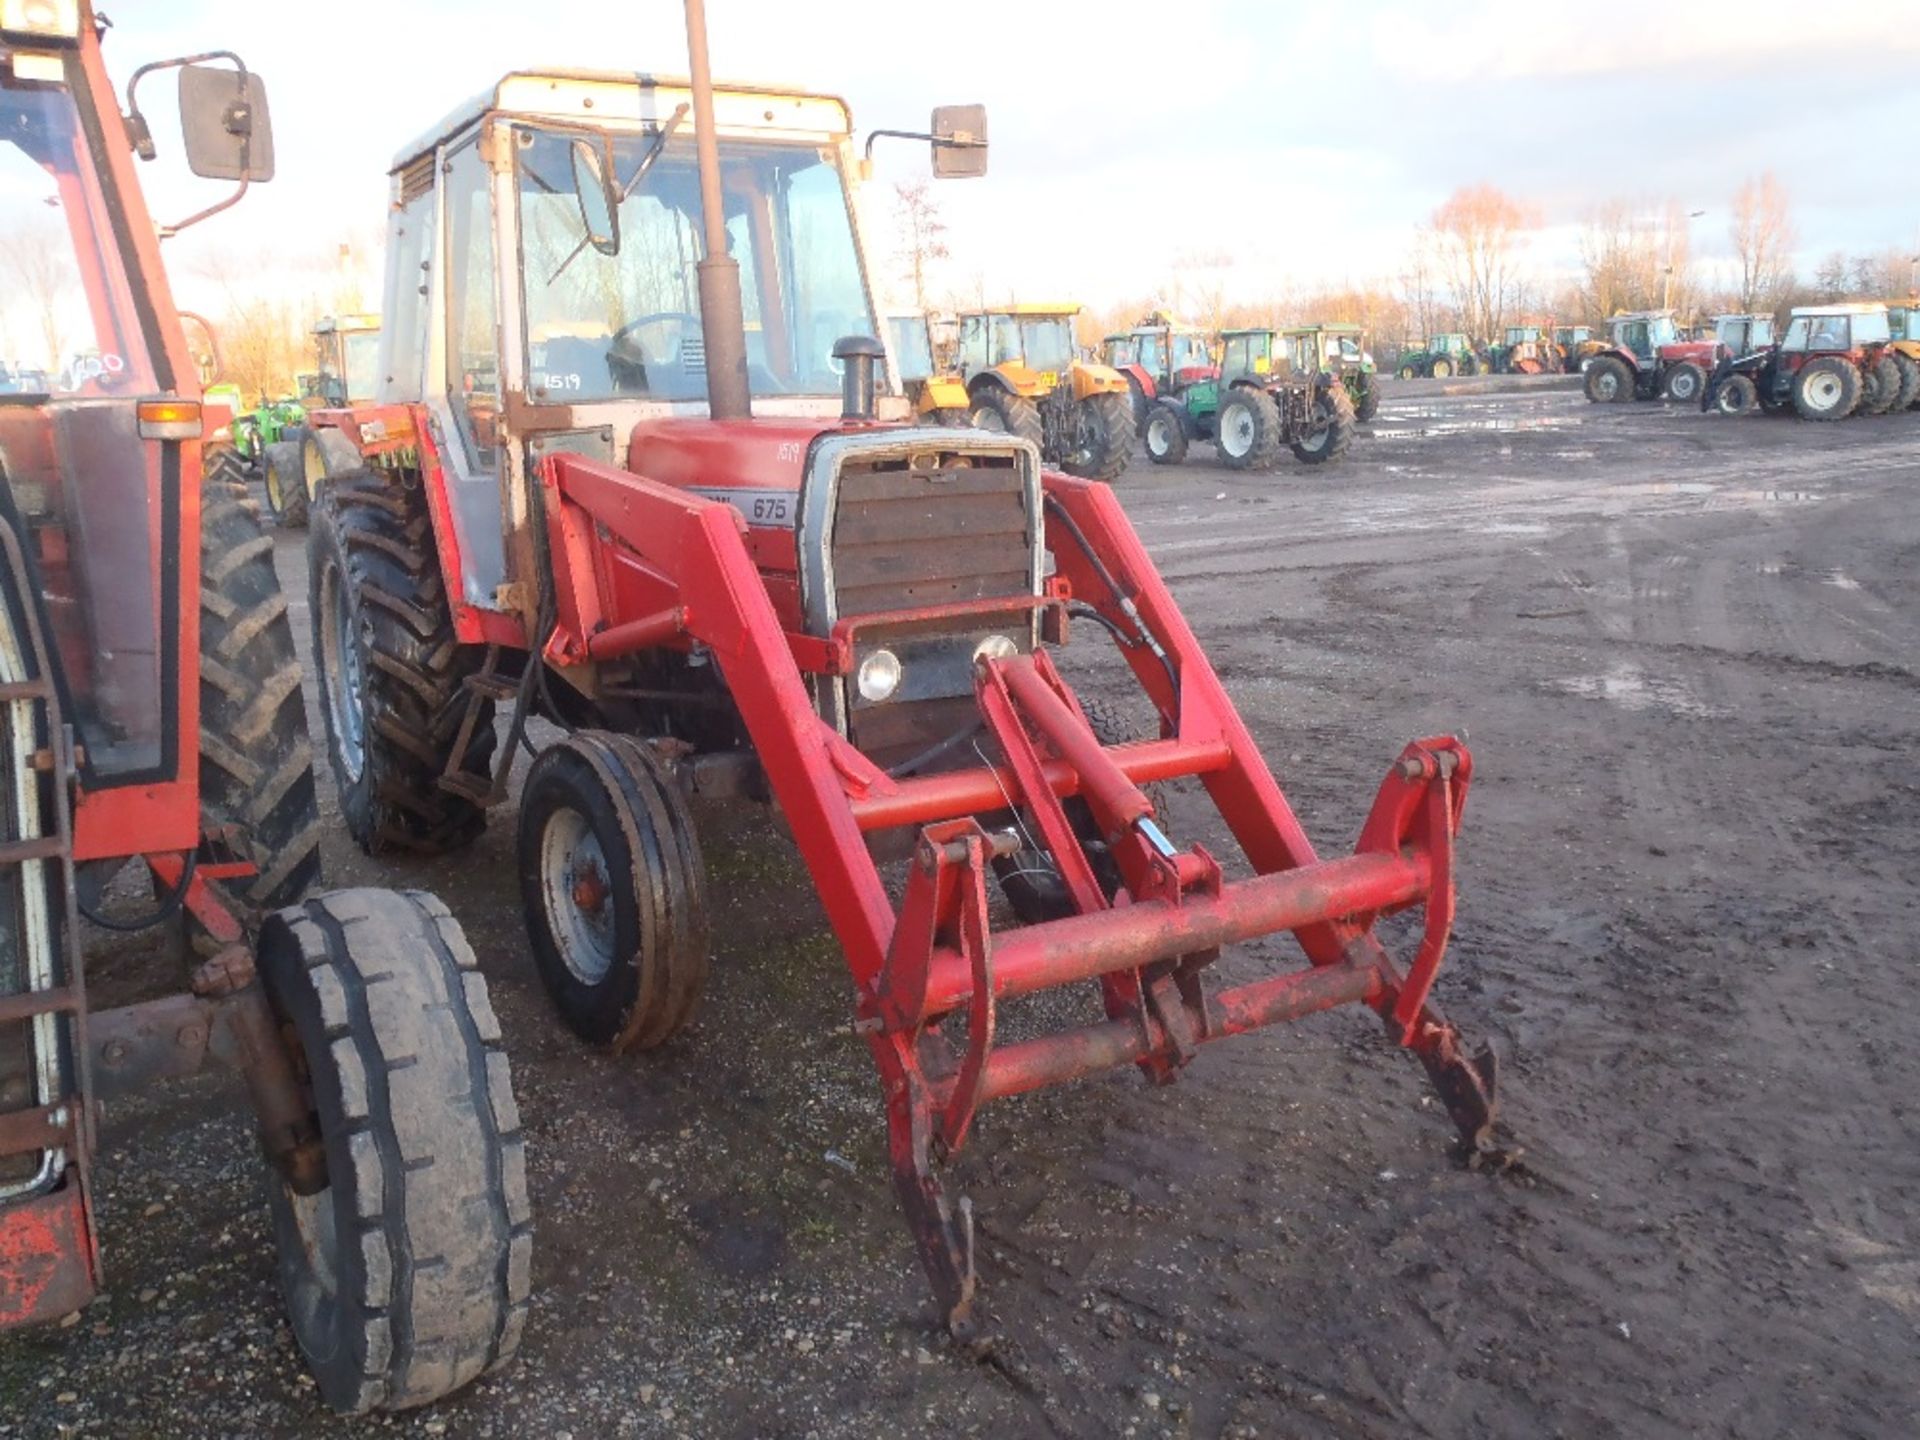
<point>1024,376</point>
<point>939,396</point>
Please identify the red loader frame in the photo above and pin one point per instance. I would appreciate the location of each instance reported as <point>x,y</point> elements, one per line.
<point>638,564</point>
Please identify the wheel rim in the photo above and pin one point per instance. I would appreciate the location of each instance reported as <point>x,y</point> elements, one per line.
<point>578,892</point>
<point>1823,390</point>
<point>1607,386</point>
<point>1236,431</point>
<point>273,487</point>
<point>1315,439</point>
<point>341,674</point>
<point>1681,387</point>
<point>1159,442</point>
<point>987,418</point>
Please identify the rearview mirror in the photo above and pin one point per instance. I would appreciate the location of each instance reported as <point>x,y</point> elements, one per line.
<point>593,188</point>
<point>224,124</point>
<point>959,141</point>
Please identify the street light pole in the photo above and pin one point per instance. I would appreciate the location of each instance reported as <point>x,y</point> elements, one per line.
<point>1666,289</point>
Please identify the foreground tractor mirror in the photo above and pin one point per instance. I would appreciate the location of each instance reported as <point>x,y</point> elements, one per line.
<point>224,124</point>
<point>599,205</point>
<point>959,141</point>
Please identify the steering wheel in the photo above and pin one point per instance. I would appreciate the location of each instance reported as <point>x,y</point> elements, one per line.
<point>623,353</point>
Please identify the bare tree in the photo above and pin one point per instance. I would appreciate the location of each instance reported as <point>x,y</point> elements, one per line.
<point>1200,285</point>
<point>1417,296</point>
<point>1830,278</point>
<point>1763,239</point>
<point>1479,233</point>
<point>1636,255</point>
<point>923,236</point>
<point>40,260</point>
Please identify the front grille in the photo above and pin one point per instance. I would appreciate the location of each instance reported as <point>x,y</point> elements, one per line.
<point>905,537</point>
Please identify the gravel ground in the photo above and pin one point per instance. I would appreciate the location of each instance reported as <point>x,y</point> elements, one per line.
<point>1684,650</point>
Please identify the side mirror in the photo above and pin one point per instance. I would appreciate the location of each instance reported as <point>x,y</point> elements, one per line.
<point>593,187</point>
<point>959,141</point>
<point>224,124</point>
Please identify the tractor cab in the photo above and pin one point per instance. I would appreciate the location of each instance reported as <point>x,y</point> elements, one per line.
<point>1160,356</point>
<point>1743,335</point>
<point>1338,350</point>
<point>912,341</point>
<point>1643,334</point>
<point>1023,375</point>
<point>347,353</point>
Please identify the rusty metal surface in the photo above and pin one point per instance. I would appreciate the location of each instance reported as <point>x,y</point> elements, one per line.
<point>46,1258</point>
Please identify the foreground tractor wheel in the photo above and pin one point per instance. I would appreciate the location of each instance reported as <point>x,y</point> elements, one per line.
<point>1332,430</point>
<point>391,675</point>
<point>1737,396</point>
<point>1006,413</point>
<point>1608,381</point>
<point>1827,388</point>
<point>1909,369</point>
<point>406,1275</point>
<point>1442,368</point>
<point>1248,429</point>
<point>256,765</point>
<point>1881,387</point>
<point>1685,382</point>
<point>614,890</point>
<point>1165,434</point>
<point>285,483</point>
<point>1103,437</point>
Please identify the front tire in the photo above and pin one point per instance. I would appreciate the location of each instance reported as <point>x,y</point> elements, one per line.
<point>1409,372</point>
<point>1005,413</point>
<point>1442,368</point>
<point>1737,396</point>
<point>1684,383</point>
<point>1247,429</point>
<point>284,481</point>
<point>1608,381</point>
<point>614,890</point>
<point>407,1275</point>
<point>1104,432</point>
<point>1368,404</point>
<point>256,764</point>
<point>1332,430</point>
<point>391,674</point>
<point>1827,388</point>
<point>1164,435</point>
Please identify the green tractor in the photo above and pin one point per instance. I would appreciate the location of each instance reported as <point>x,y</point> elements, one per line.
<point>1440,358</point>
<point>1258,403</point>
<point>266,425</point>
<point>1339,350</point>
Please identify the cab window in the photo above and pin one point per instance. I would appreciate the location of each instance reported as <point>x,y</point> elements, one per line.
<point>473,373</point>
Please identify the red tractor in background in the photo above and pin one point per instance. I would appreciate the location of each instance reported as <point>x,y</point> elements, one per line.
<point>1649,361</point>
<point>1160,358</point>
<point>157,768</point>
<point>716,559</point>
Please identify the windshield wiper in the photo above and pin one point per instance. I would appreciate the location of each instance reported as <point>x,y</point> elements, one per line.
<point>660,138</point>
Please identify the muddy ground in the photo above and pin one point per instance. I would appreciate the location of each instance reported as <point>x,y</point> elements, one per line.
<point>1685,651</point>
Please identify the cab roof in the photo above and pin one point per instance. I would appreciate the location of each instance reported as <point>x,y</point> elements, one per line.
<point>1644,314</point>
<point>1856,307</point>
<point>1328,327</point>
<point>615,97</point>
<point>1033,309</point>
<point>345,322</point>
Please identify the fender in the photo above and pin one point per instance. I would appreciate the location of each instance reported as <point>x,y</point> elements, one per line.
<point>1096,380</point>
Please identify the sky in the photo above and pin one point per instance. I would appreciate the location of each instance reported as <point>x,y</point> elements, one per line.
<point>1297,145</point>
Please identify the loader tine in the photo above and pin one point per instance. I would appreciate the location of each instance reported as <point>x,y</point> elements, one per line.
<point>1468,1088</point>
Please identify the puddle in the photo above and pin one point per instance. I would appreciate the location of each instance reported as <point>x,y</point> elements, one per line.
<point>1839,579</point>
<point>1440,422</point>
<point>1735,497</point>
<point>1631,688</point>
<point>1511,527</point>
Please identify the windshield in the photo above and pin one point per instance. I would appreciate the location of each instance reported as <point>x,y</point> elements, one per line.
<point>1040,342</point>
<point>1120,350</point>
<point>628,325</point>
<point>911,351</point>
<point>1190,351</point>
<point>1871,328</point>
<point>363,364</point>
<point>1663,330</point>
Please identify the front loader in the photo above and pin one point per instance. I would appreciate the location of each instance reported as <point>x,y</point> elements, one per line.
<point>158,779</point>
<point>720,562</point>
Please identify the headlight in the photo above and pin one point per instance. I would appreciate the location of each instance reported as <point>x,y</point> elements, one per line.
<point>995,647</point>
<point>40,19</point>
<point>879,675</point>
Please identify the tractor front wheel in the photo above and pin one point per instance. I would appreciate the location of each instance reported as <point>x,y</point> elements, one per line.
<point>1165,434</point>
<point>1737,395</point>
<point>1608,381</point>
<point>1366,404</point>
<point>392,676</point>
<point>1006,413</point>
<point>614,890</point>
<point>1409,372</point>
<point>1827,388</point>
<point>1442,367</point>
<point>1103,435</point>
<point>1332,429</point>
<point>406,1274</point>
<point>284,478</point>
<point>1684,382</point>
<point>1248,429</point>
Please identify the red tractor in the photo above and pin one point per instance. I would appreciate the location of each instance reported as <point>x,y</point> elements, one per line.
<point>1832,362</point>
<point>708,555</point>
<point>1160,358</point>
<point>157,769</point>
<point>1649,361</point>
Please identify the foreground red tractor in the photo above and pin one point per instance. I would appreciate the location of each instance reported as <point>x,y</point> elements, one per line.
<point>1832,362</point>
<point>154,744</point>
<point>1649,361</point>
<point>789,596</point>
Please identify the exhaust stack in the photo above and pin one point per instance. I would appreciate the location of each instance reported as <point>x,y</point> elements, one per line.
<point>857,354</point>
<point>723,324</point>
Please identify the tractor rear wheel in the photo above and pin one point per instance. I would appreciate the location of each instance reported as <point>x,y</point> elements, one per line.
<point>614,890</point>
<point>256,765</point>
<point>1909,380</point>
<point>1332,430</point>
<point>1247,429</point>
<point>1882,391</point>
<point>1104,432</point>
<point>1737,395</point>
<point>1165,434</point>
<point>1006,413</point>
<point>407,1274</point>
<point>391,674</point>
<point>1827,388</point>
<point>1684,383</point>
<point>1609,381</point>
<point>1441,368</point>
<point>285,482</point>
